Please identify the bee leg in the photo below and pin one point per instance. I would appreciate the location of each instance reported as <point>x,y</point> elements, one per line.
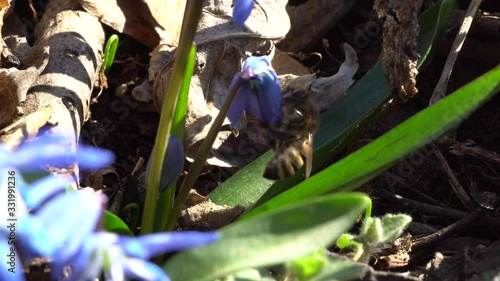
<point>308,153</point>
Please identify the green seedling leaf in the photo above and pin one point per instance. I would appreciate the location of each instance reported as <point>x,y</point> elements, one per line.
<point>393,226</point>
<point>349,241</point>
<point>109,53</point>
<point>306,267</point>
<point>389,149</point>
<point>113,223</point>
<point>341,123</point>
<point>372,231</point>
<point>346,240</point>
<point>271,238</point>
<point>341,269</point>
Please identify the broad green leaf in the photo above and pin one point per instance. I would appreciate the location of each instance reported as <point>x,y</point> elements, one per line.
<point>113,223</point>
<point>271,238</point>
<point>384,152</point>
<point>341,269</point>
<point>251,274</point>
<point>341,123</point>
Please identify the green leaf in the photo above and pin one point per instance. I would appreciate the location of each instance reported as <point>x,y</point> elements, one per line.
<point>341,123</point>
<point>109,53</point>
<point>113,223</point>
<point>308,266</point>
<point>393,226</point>
<point>384,152</point>
<point>251,274</point>
<point>346,240</point>
<point>341,269</point>
<point>189,24</point>
<point>166,199</point>
<point>270,238</point>
<point>372,231</point>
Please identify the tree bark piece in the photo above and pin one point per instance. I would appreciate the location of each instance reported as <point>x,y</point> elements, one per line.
<point>74,41</point>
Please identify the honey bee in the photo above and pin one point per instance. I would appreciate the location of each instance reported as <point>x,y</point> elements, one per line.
<point>293,140</point>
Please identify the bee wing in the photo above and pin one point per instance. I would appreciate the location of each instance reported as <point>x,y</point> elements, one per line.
<point>308,152</point>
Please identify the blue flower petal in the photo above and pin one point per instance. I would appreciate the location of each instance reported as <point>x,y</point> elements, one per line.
<point>51,150</point>
<point>85,265</point>
<point>39,191</point>
<point>91,158</point>
<point>257,64</point>
<point>59,228</point>
<point>159,243</point>
<point>269,97</point>
<point>9,271</point>
<point>173,163</point>
<point>242,10</point>
<point>240,103</point>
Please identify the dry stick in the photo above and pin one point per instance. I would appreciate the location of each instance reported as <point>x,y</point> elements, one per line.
<point>458,189</point>
<point>430,209</point>
<point>476,151</point>
<point>440,90</point>
<point>456,227</point>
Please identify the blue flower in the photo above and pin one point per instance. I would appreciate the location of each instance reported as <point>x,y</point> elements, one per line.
<point>242,10</point>
<point>260,93</point>
<point>41,213</point>
<point>65,226</point>
<point>119,256</point>
<point>173,163</point>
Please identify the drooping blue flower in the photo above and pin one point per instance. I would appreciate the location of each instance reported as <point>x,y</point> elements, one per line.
<point>260,93</point>
<point>242,10</point>
<point>173,163</point>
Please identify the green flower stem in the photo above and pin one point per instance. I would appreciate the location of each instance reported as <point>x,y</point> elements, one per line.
<point>201,157</point>
<point>368,212</point>
<point>166,201</point>
<point>191,17</point>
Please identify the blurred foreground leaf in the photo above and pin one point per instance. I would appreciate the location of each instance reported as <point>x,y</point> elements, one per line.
<point>272,238</point>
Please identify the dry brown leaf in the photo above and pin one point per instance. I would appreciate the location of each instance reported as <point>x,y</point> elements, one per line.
<point>151,22</point>
<point>327,90</point>
<point>5,9</point>
<point>283,63</point>
<point>25,128</point>
<point>311,20</point>
<point>400,57</point>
